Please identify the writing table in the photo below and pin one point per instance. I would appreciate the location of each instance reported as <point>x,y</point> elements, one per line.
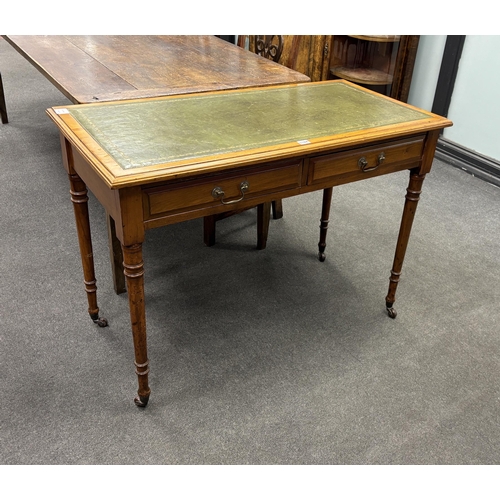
<point>154,162</point>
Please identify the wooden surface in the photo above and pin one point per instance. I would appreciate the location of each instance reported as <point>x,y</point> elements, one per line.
<point>94,68</point>
<point>403,72</point>
<point>363,75</point>
<point>323,57</point>
<point>308,54</point>
<point>381,62</point>
<point>152,195</point>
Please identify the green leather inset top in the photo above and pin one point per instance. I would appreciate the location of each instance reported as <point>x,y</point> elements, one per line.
<point>161,131</point>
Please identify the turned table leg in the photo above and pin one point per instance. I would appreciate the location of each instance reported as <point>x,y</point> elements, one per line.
<point>411,201</point>
<point>133,267</point>
<point>80,205</point>
<point>325,214</point>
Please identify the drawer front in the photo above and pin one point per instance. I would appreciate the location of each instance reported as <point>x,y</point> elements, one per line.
<point>225,190</point>
<point>366,162</point>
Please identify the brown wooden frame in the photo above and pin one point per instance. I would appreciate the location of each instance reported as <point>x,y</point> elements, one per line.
<point>141,200</point>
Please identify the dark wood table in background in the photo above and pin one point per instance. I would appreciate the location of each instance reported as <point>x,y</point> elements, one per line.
<point>93,68</point>
<point>100,68</point>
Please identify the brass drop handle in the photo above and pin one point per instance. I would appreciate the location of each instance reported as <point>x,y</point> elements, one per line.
<point>217,192</point>
<point>363,163</point>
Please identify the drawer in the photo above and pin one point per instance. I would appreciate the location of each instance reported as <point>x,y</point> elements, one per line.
<point>347,166</point>
<point>231,189</point>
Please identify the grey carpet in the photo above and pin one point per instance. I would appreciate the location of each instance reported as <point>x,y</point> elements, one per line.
<point>257,357</point>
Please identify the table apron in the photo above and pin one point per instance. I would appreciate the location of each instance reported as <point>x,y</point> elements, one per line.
<point>179,201</point>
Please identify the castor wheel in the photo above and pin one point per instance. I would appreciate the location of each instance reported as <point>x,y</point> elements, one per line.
<point>141,401</point>
<point>391,312</point>
<point>102,322</point>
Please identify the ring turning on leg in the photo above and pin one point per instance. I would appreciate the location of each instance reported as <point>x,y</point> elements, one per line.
<point>141,400</point>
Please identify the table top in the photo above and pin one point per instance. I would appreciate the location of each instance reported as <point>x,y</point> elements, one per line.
<point>135,142</point>
<point>92,68</point>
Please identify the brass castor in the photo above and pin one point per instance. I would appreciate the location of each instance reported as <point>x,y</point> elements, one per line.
<point>141,401</point>
<point>102,322</point>
<point>391,312</point>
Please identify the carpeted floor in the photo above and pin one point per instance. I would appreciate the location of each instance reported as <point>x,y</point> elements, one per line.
<point>257,357</point>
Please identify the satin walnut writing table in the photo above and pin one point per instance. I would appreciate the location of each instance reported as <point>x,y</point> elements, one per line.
<point>153,162</point>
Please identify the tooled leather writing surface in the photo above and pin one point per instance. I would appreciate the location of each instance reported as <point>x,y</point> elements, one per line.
<point>160,131</point>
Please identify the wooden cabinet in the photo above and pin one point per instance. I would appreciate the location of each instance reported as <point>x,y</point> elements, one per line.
<point>383,63</point>
<point>308,54</point>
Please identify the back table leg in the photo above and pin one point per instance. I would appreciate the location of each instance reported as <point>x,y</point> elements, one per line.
<point>412,197</point>
<point>3,106</point>
<point>325,214</point>
<point>80,205</point>
<point>116,257</point>
<point>263,216</point>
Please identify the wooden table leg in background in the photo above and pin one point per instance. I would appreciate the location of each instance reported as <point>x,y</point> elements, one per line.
<point>3,106</point>
<point>80,205</point>
<point>412,197</point>
<point>263,217</point>
<point>277,206</point>
<point>116,257</point>
<point>325,215</point>
<point>133,267</point>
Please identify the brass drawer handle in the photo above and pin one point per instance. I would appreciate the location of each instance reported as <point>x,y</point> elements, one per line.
<point>217,192</point>
<point>363,163</point>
